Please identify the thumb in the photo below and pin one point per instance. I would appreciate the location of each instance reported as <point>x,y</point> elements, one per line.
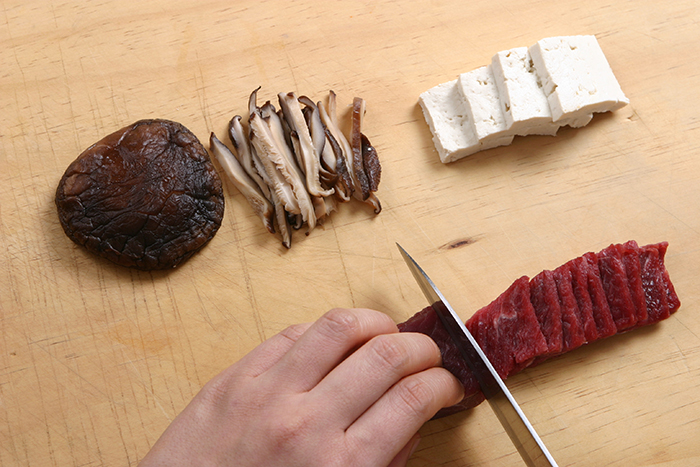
<point>405,453</point>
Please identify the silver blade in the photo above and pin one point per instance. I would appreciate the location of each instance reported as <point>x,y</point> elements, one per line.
<point>524,437</point>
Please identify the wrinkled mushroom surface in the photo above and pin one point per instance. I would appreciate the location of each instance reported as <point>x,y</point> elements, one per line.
<point>146,196</point>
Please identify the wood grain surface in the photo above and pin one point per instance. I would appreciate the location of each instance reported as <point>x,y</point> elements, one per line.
<point>96,360</point>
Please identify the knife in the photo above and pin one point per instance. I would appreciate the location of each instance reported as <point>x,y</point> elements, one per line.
<point>522,434</point>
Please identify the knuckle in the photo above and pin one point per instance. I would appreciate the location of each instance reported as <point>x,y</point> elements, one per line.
<point>340,322</point>
<point>415,396</point>
<point>294,332</point>
<point>428,348</point>
<point>286,431</point>
<point>215,393</point>
<point>389,351</point>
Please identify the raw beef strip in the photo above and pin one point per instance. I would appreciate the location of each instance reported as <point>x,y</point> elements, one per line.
<point>427,322</point>
<point>617,291</point>
<point>673,302</point>
<point>653,283</point>
<point>579,284</point>
<point>545,301</point>
<point>573,335</point>
<point>512,332</point>
<point>508,329</point>
<point>630,260</point>
<point>601,311</point>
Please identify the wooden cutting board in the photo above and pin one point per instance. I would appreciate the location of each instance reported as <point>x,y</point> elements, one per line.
<point>96,360</point>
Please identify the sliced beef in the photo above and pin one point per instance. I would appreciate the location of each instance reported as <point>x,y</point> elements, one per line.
<point>673,301</point>
<point>630,254</point>
<point>573,334</point>
<point>617,290</point>
<point>427,322</point>
<point>507,330</point>
<point>605,325</point>
<point>511,333</point>
<point>545,301</point>
<point>579,284</point>
<point>519,327</point>
<point>655,294</point>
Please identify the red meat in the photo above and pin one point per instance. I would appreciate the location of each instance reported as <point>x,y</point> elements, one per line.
<point>605,324</point>
<point>630,253</point>
<point>654,292</point>
<point>545,301</point>
<point>520,327</point>
<point>427,322</point>
<point>573,334</point>
<point>673,301</point>
<point>579,285</point>
<point>616,286</point>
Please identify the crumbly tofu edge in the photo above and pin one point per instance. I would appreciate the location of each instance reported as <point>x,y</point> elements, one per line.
<point>446,114</point>
<point>522,98</point>
<point>593,87</point>
<point>480,92</point>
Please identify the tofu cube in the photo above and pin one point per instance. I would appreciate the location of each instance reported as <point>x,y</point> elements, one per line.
<point>446,113</point>
<point>522,99</point>
<point>576,78</point>
<point>479,90</point>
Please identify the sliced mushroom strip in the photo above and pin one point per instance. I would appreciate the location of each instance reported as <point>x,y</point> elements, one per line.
<point>324,149</point>
<point>274,123</point>
<point>296,180</point>
<point>285,176</point>
<point>309,157</point>
<point>370,161</point>
<point>244,154</point>
<point>265,150</point>
<point>362,186</point>
<point>344,186</point>
<point>313,122</point>
<point>374,172</point>
<point>364,159</point>
<point>245,184</point>
<point>282,221</point>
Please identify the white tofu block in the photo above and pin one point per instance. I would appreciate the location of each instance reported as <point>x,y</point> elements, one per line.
<point>522,99</point>
<point>446,113</point>
<point>576,78</point>
<point>478,87</point>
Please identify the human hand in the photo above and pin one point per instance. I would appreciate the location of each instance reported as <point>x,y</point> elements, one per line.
<point>347,390</point>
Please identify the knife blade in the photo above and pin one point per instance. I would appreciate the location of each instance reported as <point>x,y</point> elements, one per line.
<point>519,429</point>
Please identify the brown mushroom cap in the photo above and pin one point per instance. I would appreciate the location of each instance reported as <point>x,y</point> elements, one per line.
<point>146,196</point>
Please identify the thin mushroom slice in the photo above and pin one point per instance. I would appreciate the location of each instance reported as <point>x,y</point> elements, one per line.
<point>276,160</point>
<point>328,175</point>
<point>274,123</point>
<point>364,159</point>
<point>370,161</point>
<point>310,159</point>
<point>373,201</point>
<point>282,221</point>
<point>362,187</point>
<point>266,153</point>
<point>244,154</point>
<point>314,123</point>
<point>344,186</point>
<point>324,147</point>
<point>245,184</point>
